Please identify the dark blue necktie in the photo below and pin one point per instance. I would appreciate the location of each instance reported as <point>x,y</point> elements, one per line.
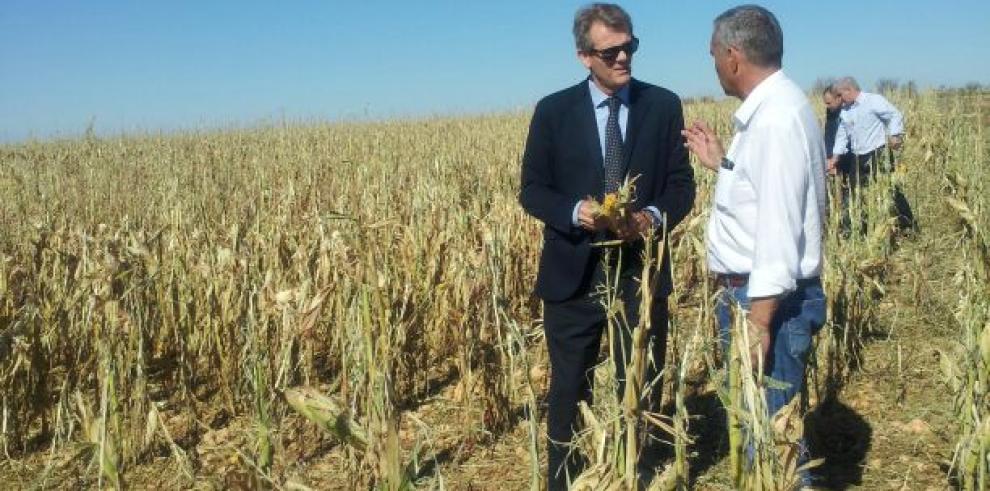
<point>613,147</point>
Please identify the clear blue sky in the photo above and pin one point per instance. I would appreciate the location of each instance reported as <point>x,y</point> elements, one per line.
<point>145,66</point>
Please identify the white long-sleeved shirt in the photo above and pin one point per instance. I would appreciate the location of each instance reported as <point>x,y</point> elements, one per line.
<point>862,124</point>
<point>769,208</point>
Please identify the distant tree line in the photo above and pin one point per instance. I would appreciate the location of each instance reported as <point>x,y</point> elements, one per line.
<point>882,86</point>
<point>885,85</point>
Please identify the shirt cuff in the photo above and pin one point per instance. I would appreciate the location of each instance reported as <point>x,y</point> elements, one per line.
<point>659,219</point>
<point>770,282</point>
<point>574,215</point>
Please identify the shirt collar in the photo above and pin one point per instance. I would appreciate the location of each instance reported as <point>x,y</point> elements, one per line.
<point>859,99</point>
<point>598,97</point>
<point>760,93</point>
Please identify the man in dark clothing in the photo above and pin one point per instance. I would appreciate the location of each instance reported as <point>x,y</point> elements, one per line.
<point>851,175</point>
<point>833,107</point>
<point>583,141</point>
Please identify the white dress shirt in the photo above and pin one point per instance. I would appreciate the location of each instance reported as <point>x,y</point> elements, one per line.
<point>769,207</point>
<point>862,124</point>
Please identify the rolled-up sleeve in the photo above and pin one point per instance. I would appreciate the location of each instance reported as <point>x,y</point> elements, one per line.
<point>780,183</point>
<point>889,115</point>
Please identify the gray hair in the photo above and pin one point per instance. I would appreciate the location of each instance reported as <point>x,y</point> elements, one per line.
<point>753,30</point>
<point>845,82</point>
<point>610,14</point>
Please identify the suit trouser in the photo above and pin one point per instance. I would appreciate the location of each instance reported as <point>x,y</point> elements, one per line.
<point>860,173</point>
<point>574,329</point>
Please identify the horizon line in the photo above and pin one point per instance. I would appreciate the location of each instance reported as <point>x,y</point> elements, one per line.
<point>273,120</point>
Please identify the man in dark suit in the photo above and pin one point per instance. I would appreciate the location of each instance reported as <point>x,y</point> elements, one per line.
<point>582,142</point>
<point>833,107</point>
<point>844,166</point>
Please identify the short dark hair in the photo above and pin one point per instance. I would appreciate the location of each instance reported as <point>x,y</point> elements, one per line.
<point>753,30</point>
<point>831,89</point>
<point>609,14</point>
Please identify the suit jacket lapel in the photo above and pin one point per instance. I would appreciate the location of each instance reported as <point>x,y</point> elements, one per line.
<point>589,131</point>
<point>638,109</point>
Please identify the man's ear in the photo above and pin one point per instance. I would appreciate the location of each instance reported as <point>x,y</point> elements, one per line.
<point>584,58</point>
<point>735,58</point>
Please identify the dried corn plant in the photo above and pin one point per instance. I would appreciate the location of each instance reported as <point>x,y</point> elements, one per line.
<point>617,427</point>
<point>967,367</point>
<point>242,268</point>
<point>764,449</point>
<point>159,294</point>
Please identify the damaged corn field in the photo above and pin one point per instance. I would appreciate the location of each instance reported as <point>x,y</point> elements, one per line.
<point>348,306</point>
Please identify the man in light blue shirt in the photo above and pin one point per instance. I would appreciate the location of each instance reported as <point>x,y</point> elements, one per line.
<point>864,123</point>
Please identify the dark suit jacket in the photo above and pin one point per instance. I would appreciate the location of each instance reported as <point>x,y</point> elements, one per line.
<point>832,123</point>
<point>831,128</point>
<point>562,164</point>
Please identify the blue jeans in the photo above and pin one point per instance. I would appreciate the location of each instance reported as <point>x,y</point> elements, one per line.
<point>800,315</point>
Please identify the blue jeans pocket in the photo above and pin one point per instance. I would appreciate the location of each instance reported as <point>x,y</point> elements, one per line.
<point>814,311</point>
<point>802,328</point>
<point>798,342</point>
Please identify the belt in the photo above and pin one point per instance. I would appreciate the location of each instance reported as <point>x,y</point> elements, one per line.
<point>876,151</point>
<point>736,280</point>
<point>733,280</point>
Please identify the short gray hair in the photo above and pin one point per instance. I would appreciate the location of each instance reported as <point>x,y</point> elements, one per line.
<point>847,82</point>
<point>610,14</point>
<point>753,30</point>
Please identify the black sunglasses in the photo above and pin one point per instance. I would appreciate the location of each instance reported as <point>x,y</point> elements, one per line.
<point>609,55</point>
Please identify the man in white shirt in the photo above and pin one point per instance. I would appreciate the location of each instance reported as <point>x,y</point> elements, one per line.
<point>764,235</point>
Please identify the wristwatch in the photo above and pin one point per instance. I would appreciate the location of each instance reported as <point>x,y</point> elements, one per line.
<point>726,163</point>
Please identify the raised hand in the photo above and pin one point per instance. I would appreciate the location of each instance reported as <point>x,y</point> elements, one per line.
<point>704,143</point>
